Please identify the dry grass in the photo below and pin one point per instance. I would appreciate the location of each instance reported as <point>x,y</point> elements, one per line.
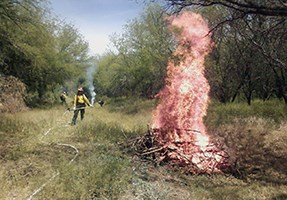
<point>33,151</point>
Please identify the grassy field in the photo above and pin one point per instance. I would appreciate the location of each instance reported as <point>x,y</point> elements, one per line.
<point>42,157</point>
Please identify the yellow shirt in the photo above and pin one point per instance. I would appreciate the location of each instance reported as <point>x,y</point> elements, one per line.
<point>81,99</point>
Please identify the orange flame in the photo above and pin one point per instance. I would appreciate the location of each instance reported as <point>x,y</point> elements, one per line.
<point>184,99</point>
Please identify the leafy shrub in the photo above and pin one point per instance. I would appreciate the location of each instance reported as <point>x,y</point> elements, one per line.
<point>49,99</point>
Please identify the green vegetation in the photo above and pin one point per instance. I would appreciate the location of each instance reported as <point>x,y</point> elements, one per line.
<point>42,157</point>
<point>249,133</point>
<point>130,105</point>
<point>40,50</point>
<point>248,60</point>
<point>39,144</point>
<point>224,113</point>
<point>139,67</point>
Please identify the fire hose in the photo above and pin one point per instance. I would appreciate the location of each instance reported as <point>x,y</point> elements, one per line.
<point>101,102</point>
<point>79,108</point>
<point>75,108</point>
<point>57,173</point>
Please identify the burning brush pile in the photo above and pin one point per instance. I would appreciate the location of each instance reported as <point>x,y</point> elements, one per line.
<point>172,148</point>
<point>178,136</point>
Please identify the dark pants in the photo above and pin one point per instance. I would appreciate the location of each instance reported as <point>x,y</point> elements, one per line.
<point>79,108</point>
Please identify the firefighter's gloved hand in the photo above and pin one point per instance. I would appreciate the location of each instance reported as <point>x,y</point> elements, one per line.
<point>74,108</point>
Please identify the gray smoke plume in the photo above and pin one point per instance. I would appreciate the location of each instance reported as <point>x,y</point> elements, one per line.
<point>91,70</point>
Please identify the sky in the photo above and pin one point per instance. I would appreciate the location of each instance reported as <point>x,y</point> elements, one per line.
<point>96,20</point>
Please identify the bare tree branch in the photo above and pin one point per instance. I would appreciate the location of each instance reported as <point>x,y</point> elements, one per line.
<point>269,56</point>
<point>267,8</point>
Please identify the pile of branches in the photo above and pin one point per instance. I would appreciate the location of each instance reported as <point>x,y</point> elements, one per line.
<point>12,93</point>
<point>150,148</point>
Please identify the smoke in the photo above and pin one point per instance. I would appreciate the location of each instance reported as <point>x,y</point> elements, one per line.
<point>91,70</point>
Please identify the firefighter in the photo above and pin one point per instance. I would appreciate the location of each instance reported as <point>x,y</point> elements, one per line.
<point>80,102</point>
<point>63,98</point>
<point>101,102</point>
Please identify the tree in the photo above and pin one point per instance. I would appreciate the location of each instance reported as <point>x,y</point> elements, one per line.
<point>248,59</point>
<point>143,50</point>
<point>36,48</point>
<point>22,33</point>
<point>71,51</point>
<point>244,7</point>
<point>109,80</point>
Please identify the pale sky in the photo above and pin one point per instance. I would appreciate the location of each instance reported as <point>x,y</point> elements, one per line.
<point>96,20</point>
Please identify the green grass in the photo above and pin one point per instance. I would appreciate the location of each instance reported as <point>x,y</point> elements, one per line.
<point>130,105</point>
<point>35,146</point>
<point>273,111</point>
